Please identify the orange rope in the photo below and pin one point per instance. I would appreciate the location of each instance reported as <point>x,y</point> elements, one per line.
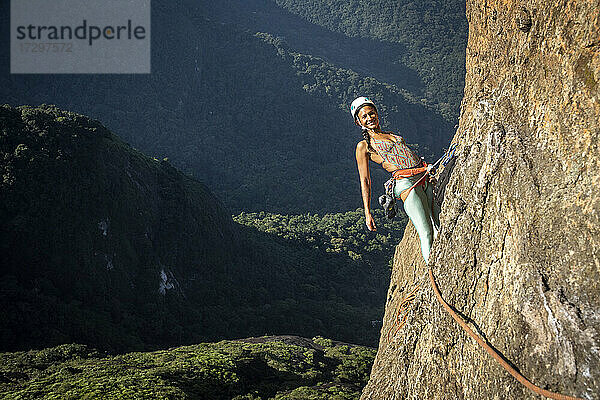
<point>402,313</point>
<point>524,381</point>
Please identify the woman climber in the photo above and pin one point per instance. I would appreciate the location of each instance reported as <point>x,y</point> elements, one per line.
<point>407,169</point>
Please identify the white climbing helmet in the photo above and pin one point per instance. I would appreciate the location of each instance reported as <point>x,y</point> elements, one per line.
<point>359,103</point>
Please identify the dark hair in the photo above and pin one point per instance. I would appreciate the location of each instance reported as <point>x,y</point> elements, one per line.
<point>367,137</point>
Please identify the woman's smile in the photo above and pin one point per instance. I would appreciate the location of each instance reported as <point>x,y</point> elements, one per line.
<point>368,117</point>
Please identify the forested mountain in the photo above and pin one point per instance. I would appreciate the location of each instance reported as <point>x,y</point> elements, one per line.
<point>105,246</point>
<point>252,98</point>
<point>341,233</point>
<point>433,34</point>
<point>260,368</point>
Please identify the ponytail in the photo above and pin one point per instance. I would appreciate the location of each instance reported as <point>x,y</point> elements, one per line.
<point>367,137</point>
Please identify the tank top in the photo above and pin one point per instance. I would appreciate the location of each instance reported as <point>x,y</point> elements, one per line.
<point>396,153</point>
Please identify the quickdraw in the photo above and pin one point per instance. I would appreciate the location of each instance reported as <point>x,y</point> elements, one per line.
<point>448,155</point>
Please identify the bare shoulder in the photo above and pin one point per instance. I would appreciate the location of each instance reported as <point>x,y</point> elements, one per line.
<point>361,146</point>
<point>362,151</point>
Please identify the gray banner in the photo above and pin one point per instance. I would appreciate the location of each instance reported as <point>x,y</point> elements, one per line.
<point>80,37</point>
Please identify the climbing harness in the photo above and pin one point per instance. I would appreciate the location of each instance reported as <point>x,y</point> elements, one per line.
<point>400,174</point>
<point>425,169</point>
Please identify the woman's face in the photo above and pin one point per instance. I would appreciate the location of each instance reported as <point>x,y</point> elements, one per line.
<point>367,117</point>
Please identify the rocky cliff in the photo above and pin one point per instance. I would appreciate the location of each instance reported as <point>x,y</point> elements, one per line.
<point>518,254</point>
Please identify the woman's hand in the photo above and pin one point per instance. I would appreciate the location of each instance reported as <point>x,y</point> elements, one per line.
<point>370,222</point>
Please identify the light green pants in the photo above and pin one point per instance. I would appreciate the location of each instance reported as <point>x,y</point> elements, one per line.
<point>421,209</point>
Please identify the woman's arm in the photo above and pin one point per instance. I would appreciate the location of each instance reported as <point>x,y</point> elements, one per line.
<point>362,161</point>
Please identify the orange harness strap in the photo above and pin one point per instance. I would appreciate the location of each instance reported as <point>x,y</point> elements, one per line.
<point>407,173</point>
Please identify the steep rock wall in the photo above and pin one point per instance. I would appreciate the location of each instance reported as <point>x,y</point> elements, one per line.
<point>519,250</point>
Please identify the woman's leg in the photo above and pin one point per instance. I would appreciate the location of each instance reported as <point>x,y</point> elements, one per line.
<point>434,208</point>
<point>418,209</point>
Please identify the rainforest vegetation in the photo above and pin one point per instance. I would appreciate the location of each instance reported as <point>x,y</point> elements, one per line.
<point>215,198</point>
<point>105,246</point>
<point>255,369</point>
<point>251,97</point>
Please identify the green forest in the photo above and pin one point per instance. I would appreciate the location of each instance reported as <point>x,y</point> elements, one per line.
<point>250,97</point>
<point>259,368</point>
<point>341,233</point>
<point>432,31</point>
<point>108,247</point>
<point>215,198</point>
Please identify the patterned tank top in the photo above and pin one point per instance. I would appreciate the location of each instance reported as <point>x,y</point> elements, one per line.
<point>396,153</point>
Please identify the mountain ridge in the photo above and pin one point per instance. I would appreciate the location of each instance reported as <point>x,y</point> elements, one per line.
<point>105,246</point>
<point>221,99</point>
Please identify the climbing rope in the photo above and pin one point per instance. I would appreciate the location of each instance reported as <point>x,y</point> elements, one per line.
<point>402,315</point>
<point>524,381</point>
<point>443,160</point>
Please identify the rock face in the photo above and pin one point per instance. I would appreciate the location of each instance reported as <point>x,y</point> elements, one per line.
<point>519,250</point>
